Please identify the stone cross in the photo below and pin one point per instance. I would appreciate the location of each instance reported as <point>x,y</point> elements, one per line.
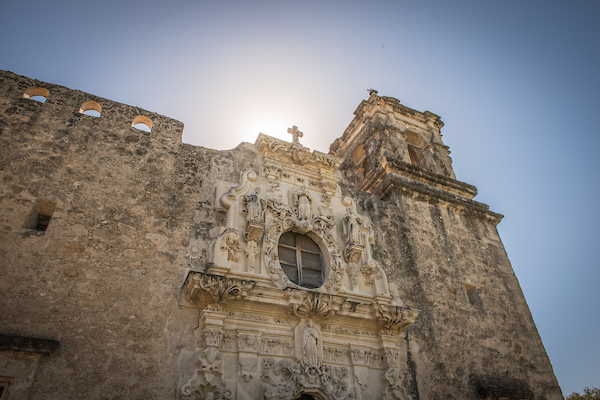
<point>295,133</point>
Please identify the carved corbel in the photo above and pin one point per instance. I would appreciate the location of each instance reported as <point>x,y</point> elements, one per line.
<point>395,319</point>
<point>206,290</point>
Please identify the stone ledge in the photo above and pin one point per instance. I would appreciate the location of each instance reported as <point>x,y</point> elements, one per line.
<point>421,174</point>
<point>27,344</point>
<point>394,182</point>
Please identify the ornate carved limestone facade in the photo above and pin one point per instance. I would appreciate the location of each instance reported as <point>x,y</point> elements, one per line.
<point>266,334</point>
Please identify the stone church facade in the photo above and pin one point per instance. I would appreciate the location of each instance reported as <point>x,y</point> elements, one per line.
<point>134,266</point>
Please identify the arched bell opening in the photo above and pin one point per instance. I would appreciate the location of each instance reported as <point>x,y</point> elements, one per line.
<point>415,145</point>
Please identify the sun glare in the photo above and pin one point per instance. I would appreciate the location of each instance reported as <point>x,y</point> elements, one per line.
<point>269,126</point>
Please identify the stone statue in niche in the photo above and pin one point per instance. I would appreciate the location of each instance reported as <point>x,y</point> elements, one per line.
<point>302,202</point>
<point>255,206</point>
<point>351,229</point>
<point>255,226</point>
<point>351,225</point>
<point>311,357</point>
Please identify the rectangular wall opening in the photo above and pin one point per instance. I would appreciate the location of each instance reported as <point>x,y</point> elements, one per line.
<point>40,215</point>
<point>472,294</point>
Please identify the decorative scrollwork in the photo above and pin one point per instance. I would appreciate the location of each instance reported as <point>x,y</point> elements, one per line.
<point>395,389</point>
<point>370,270</point>
<point>205,289</point>
<point>396,319</point>
<point>313,304</point>
<point>207,381</point>
<point>284,380</point>
<point>232,245</point>
<point>337,270</point>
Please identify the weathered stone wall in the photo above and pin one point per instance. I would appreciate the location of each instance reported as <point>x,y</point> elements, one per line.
<point>429,251</point>
<point>105,278</point>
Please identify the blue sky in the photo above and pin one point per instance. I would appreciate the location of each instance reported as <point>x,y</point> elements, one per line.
<point>516,83</point>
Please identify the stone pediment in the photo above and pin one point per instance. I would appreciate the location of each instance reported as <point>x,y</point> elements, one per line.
<point>292,161</point>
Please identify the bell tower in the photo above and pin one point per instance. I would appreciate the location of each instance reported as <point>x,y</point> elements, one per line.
<point>387,142</point>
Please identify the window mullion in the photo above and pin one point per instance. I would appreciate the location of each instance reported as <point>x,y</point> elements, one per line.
<point>299,259</point>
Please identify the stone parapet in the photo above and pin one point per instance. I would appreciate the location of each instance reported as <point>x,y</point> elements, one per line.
<point>66,106</point>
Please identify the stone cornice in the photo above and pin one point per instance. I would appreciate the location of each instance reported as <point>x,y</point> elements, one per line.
<point>214,291</point>
<point>394,165</point>
<point>394,182</point>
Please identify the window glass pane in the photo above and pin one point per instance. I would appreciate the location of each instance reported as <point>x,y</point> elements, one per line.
<point>311,268</point>
<point>288,238</point>
<point>311,261</point>
<point>306,243</point>
<point>291,272</point>
<point>287,256</point>
<point>311,278</point>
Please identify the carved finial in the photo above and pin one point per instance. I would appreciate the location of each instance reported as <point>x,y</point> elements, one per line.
<point>372,92</point>
<point>295,134</point>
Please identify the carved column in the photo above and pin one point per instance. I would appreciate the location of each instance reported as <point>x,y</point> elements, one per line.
<point>359,358</point>
<point>248,347</point>
<point>395,360</point>
<point>207,381</point>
